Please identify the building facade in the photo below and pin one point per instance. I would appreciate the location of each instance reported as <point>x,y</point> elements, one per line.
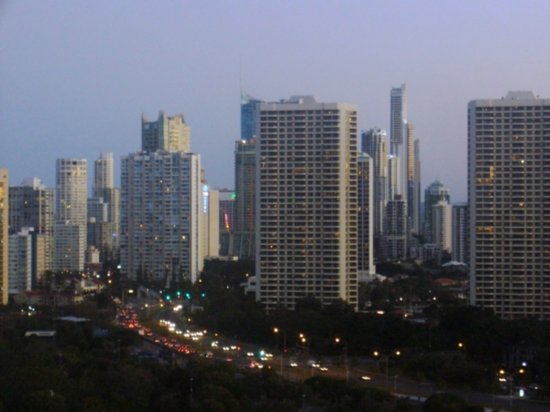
<point>245,201</point>
<point>442,228</point>
<point>4,239</point>
<point>434,193</point>
<point>461,233</point>
<point>396,230</point>
<point>508,194</point>
<point>365,254</point>
<point>168,133</point>
<point>160,216</point>
<point>306,244</point>
<point>32,206</point>
<point>71,208</point>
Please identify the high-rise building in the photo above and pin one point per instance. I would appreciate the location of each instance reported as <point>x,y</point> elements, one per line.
<point>168,133</point>
<point>161,203</point>
<point>20,262</point>
<point>103,174</point>
<point>209,220</point>
<point>398,135</point>
<point>245,206</point>
<point>226,219</point>
<point>395,230</point>
<point>4,239</point>
<point>461,233</point>
<point>394,178</point>
<point>103,210</point>
<point>365,260</point>
<point>442,225</point>
<point>508,194</point>
<point>433,194</point>
<point>374,143</point>
<point>413,180</point>
<point>250,117</point>
<point>70,214</point>
<point>306,242</point>
<point>31,206</point>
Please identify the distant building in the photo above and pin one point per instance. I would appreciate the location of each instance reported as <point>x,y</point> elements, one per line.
<point>226,220</point>
<point>31,206</point>
<point>4,239</point>
<point>508,194</point>
<point>461,233</point>
<point>104,210</point>
<point>245,202</point>
<point>168,133</point>
<point>398,136</point>
<point>396,230</point>
<point>161,201</point>
<point>433,194</point>
<point>442,225</point>
<point>250,117</point>
<point>374,143</point>
<point>365,260</point>
<point>413,180</point>
<point>210,225</point>
<point>70,230</point>
<point>20,262</point>
<point>306,201</point>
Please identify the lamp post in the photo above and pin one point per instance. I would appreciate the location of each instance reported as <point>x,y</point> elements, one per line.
<point>345,349</point>
<point>276,331</point>
<point>386,358</point>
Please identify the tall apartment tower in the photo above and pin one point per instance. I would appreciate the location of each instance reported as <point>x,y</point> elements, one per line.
<point>226,219</point>
<point>374,143</point>
<point>245,202</point>
<point>103,174</point>
<point>395,230</point>
<point>365,258</point>
<point>306,242</point>
<point>398,135</point>
<point>413,180</point>
<point>70,214</point>
<point>168,133</point>
<point>508,186</point>
<point>21,261</point>
<point>461,233</point>
<point>160,216</point>
<point>433,194</point>
<point>4,246</point>
<point>442,228</point>
<point>31,206</point>
<point>250,117</point>
<point>104,209</point>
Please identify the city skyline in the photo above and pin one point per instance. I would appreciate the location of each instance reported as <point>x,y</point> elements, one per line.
<point>85,75</point>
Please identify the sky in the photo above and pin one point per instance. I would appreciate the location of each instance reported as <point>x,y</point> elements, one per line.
<point>75,75</point>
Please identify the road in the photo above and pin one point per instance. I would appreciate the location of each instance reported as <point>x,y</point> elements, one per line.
<point>397,385</point>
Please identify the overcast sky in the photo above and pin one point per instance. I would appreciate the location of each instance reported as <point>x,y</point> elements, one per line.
<point>75,76</point>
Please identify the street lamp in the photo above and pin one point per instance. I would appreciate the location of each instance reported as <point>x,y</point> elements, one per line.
<point>276,331</point>
<point>345,349</point>
<point>386,358</point>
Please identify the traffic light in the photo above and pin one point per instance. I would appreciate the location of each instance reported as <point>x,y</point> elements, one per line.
<point>187,295</point>
<point>168,297</point>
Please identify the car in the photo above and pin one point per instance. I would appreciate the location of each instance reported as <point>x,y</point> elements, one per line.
<point>323,369</point>
<point>365,378</point>
<point>293,364</point>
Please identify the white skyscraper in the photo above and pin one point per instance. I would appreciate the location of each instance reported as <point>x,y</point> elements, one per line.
<point>398,135</point>
<point>442,229</point>
<point>4,238</point>
<point>70,214</point>
<point>306,162</point>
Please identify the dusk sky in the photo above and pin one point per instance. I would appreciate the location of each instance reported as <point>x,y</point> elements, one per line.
<point>75,76</point>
